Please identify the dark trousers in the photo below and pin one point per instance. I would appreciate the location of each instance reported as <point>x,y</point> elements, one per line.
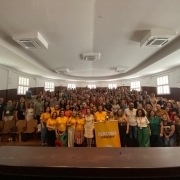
<point>51,137</point>
<point>156,141</point>
<point>38,118</point>
<point>43,133</point>
<point>133,136</point>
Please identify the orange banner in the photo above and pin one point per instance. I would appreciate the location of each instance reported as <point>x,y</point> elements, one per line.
<point>107,134</point>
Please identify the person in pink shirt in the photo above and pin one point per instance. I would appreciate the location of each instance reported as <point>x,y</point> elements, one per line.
<point>83,110</point>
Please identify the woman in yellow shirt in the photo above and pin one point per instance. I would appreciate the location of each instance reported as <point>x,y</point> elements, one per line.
<point>71,123</point>
<point>51,126</point>
<point>61,132</point>
<point>79,133</point>
<point>44,118</point>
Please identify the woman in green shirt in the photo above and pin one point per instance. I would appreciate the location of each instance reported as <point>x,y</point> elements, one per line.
<point>156,126</point>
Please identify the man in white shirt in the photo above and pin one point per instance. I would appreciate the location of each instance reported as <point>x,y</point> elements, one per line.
<point>131,115</point>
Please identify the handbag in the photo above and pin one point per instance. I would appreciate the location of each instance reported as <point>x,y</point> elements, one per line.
<point>14,129</point>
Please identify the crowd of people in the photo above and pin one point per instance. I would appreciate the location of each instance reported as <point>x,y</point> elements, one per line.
<point>67,117</point>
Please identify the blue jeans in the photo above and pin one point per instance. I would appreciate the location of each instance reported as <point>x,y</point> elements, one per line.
<point>44,133</point>
<point>171,141</point>
<point>133,135</point>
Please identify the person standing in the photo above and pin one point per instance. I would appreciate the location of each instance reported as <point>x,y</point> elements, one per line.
<point>153,101</point>
<point>71,129</point>
<point>131,116</point>
<point>177,128</point>
<point>2,105</point>
<point>8,111</point>
<point>51,126</point>
<point>44,118</point>
<point>89,127</point>
<point>83,110</point>
<point>79,130</point>
<point>38,109</point>
<point>28,93</point>
<point>61,129</point>
<point>156,126</point>
<point>169,131</point>
<point>100,115</point>
<point>67,111</point>
<point>115,107</point>
<point>143,129</point>
<point>20,112</point>
<point>123,125</point>
<point>162,103</point>
<point>29,114</point>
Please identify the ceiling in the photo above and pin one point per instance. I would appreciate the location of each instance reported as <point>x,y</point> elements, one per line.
<point>113,28</point>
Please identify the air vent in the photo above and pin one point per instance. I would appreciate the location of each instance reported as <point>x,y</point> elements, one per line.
<point>28,43</point>
<point>31,40</point>
<point>91,56</point>
<point>157,42</point>
<point>157,38</point>
<point>62,70</point>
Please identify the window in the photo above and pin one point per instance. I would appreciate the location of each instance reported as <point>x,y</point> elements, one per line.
<point>71,86</point>
<point>163,85</point>
<point>135,86</point>
<point>92,86</point>
<point>23,85</point>
<point>111,86</point>
<point>49,86</point>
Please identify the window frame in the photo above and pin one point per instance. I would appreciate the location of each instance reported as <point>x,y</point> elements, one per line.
<point>50,87</point>
<point>24,86</point>
<point>92,86</point>
<point>113,86</point>
<point>71,86</point>
<point>136,88</point>
<point>163,85</point>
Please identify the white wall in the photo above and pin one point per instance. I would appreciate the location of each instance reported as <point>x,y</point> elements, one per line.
<point>3,79</point>
<point>9,80</point>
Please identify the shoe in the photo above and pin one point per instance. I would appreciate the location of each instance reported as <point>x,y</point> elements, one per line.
<point>42,144</point>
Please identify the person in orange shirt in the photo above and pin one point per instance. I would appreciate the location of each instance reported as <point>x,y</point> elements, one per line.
<point>56,109</point>
<point>51,126</point>
<point>79,133</point>
<point>61,132</point>
<point>100,115</point>
<point>44,118</point>
<point>67,112</point>
<point>71,123</point>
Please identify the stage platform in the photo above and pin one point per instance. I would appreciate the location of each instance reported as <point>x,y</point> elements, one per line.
<point>90,162</point>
